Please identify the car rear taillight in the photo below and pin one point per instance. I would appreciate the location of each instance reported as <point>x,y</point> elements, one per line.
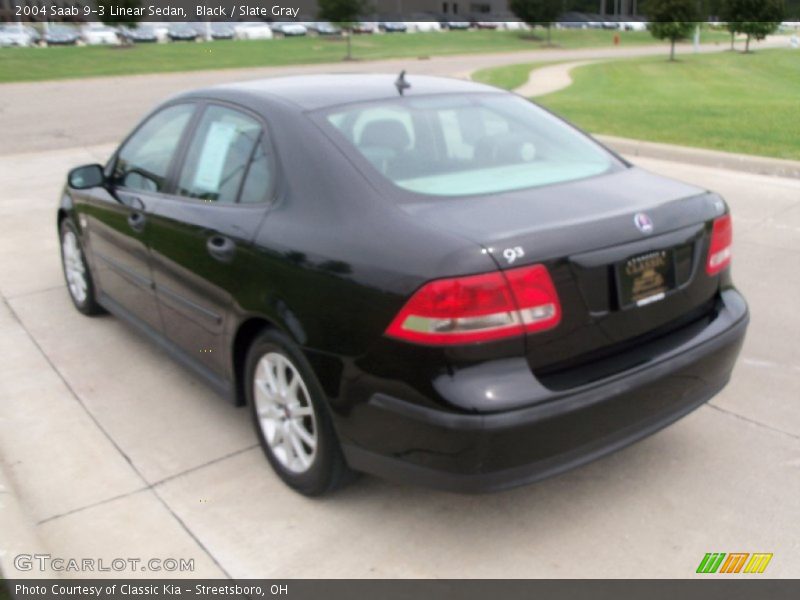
<point>536,297</point>
<point>719,251</point>
<point>479,308</point>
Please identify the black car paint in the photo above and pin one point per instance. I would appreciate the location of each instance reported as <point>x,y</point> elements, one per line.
<point>332,256</point>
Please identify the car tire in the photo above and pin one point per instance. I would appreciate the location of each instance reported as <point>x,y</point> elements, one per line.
<point>291,417</point>
<point>78,276</point>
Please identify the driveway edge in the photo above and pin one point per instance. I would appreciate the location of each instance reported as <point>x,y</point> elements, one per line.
<point>747,163</point>
<point>17,532</point>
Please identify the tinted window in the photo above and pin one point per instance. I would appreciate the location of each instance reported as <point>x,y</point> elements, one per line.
<point>473,144</point>
<point>218,155</point>
<point>143,162</point>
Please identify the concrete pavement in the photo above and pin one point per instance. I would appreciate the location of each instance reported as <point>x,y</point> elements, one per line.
<point>113,450</point>
<point>549,79</point>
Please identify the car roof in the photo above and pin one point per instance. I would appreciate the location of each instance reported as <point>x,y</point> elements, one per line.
<point>312,92</point>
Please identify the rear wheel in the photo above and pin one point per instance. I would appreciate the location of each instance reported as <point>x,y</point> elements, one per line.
<point>76,271</point>
<point>290,417</point>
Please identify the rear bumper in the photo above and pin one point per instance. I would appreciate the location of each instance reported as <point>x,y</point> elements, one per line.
<point>486,452</point>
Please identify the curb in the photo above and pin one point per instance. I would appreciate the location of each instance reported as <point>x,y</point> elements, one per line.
<point>17,533</point>
<point>760,165</point>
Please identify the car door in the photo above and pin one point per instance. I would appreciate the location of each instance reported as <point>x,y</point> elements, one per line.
<point>116,216</point>
<point>201,235</point>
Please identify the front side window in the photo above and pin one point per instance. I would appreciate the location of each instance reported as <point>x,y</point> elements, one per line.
<point>218,157</point>
<point>143,161</point>
<point>467,144</point>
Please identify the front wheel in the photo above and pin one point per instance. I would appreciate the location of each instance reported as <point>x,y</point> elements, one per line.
<point>291,419</point>
<point>76,271</point>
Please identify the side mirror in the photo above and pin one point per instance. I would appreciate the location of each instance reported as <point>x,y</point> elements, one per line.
<point>85,177</point>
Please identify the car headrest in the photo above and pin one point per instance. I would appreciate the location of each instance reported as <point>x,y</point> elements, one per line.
<point>505,148</point>
<point>386,133</point>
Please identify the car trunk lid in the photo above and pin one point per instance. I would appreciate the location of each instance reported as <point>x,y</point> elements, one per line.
<point>625,251</point>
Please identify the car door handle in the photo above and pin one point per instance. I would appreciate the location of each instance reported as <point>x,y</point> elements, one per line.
<point>221,247</point>
<point>136,220</point>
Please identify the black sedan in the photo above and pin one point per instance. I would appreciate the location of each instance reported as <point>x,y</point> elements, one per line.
<point>426,279</point>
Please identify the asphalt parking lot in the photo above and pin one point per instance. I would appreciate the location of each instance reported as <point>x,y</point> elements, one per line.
<point>113,450</point>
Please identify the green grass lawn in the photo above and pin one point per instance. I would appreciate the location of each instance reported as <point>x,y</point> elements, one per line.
<point>748,103</point>
<point>508,77</point>
<point>512,76</point>
<point>34,64</point>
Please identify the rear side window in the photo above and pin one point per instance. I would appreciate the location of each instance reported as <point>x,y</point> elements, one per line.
<point>143,161</point>
<point>221,150</point>
<point>258,181</point>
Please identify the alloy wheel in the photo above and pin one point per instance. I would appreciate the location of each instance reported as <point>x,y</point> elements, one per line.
<point>285,412</point>
<point>74,267</point>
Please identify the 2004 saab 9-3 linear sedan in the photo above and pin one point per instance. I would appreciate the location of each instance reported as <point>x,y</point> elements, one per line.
<point>425,279</point>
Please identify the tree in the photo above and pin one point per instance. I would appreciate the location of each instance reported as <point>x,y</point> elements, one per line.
<point>537,12</point>
<point>755,18</point>
<point>731,27</point>
<point>120,20</point>
<point>345,13</point>
<point>672,20</point>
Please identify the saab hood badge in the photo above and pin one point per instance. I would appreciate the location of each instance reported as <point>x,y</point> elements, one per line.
<point>643,223</point>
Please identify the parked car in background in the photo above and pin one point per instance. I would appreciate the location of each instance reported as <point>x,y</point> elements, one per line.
<point>393,26</point>
<point>16,34</point>
<point>323,28</point>
<point>486,24</point>
<point>364,28</point>
<point>252,30</point>
<point>202,29</point>
<point>36,37</point>
<point>161,29</point>
<point>182,32</point>
<point>287,29</point>
<point>514,25</point>
<point>61,35</point>
<point>213,30</point>
<point>572,20</point>
<point>222,31</point>
<point>97,34</point>
<point>425,26</point>
<point>141,34</point>
<point>455,25</point>
<point>634,26</point>
<point>594,21</point>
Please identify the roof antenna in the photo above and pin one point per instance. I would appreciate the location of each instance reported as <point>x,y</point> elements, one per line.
<point>401,84</point>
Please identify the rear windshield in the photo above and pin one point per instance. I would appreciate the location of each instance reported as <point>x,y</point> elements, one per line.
<point>468,144</point>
